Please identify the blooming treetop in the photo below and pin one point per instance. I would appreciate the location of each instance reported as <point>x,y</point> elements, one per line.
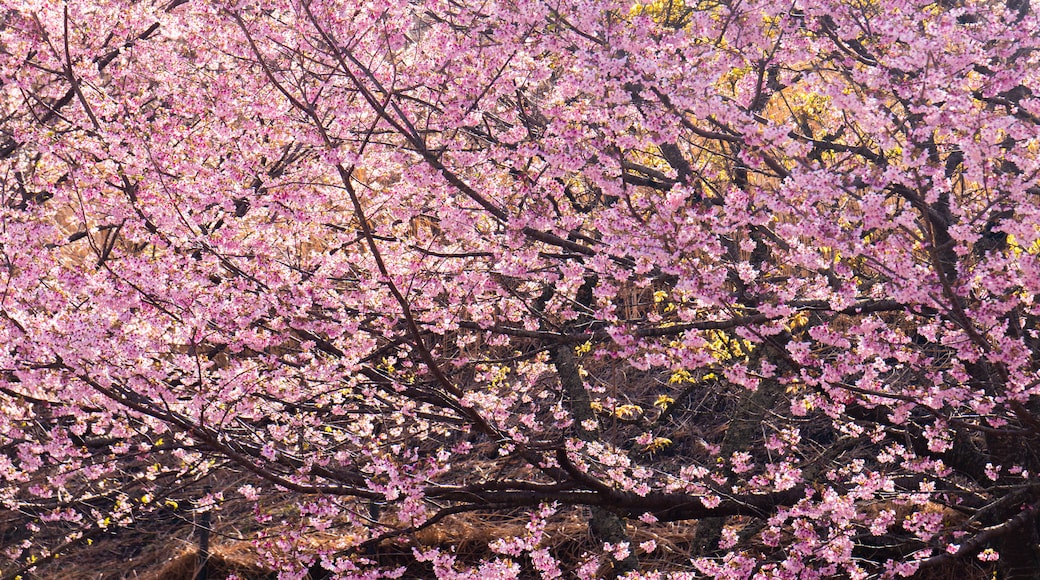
<point>769,268</point>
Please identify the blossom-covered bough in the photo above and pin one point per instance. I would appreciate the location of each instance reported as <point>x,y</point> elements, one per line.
<point>768,268</point>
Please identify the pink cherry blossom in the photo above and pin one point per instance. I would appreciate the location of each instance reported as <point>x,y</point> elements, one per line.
<point>767,270</point>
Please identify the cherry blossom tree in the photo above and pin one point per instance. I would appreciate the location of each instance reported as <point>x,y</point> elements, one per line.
<point>766,268</point>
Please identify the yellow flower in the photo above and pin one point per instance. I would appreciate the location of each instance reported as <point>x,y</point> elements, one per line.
<point>681,376</point>
<point>628,412</point>
<point>663,401</point>
<point>658,444</point>
<point>798,321</point>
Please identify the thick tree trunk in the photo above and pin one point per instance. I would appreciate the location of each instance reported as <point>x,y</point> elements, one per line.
<point>606,526</point>
<point>1019,555</point>
<point>1019,550</point>
<point>740,435</point>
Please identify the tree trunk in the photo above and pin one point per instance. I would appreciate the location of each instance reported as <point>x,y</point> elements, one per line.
<point>1019,550</point>
<point>606,526</point>
<point>740,434</point>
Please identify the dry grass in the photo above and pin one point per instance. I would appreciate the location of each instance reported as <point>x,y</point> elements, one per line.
<point>238,558</point>
<point>175,556</point>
